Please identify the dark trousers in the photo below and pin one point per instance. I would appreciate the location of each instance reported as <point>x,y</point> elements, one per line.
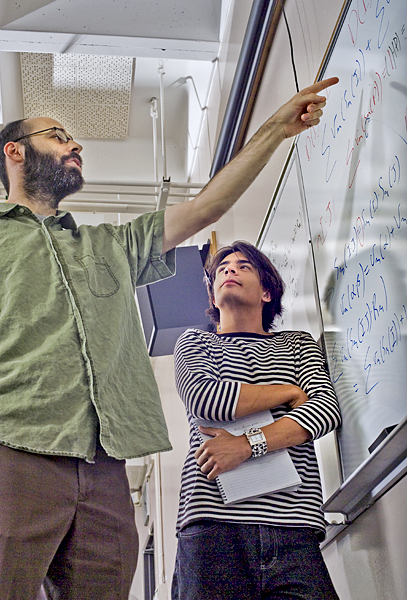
<point>68,520</point>
<point>229,561</point>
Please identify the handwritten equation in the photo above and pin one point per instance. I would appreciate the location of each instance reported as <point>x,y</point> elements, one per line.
<point>354,170</point>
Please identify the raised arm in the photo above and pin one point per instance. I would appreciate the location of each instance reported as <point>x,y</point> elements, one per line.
<point>218,196</point>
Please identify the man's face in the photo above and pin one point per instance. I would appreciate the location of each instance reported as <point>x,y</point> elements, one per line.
<point>237,283</point>
<point>52,168</point>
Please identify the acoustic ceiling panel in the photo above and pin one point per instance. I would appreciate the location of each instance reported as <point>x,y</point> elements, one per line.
<point>89,95</point>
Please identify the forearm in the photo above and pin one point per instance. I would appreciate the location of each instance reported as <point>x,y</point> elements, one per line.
<point>235,400</point>
<point>255,398</point>
<point>225,188</point>
<point>233,180</point>
<point>285,433</point>
<point>302,111</point>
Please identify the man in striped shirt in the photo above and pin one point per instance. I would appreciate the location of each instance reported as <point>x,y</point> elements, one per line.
<point>265,547</point>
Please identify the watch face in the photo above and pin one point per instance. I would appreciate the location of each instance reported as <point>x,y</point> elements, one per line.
<point>257,437</point>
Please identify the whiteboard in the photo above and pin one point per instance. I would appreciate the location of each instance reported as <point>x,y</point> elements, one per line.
<point>354,171</point>
<point>285,240</point>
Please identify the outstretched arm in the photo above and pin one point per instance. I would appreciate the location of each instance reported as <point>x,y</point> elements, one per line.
<point>218,196</point>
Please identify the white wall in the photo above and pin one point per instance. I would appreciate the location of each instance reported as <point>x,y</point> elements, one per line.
<point>10,80</point>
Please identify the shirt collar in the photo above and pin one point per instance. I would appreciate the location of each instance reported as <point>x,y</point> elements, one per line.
<point>64,218</point>
<point>5,208</point>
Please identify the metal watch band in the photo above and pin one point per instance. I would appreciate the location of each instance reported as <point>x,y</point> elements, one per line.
<point>259,448</point>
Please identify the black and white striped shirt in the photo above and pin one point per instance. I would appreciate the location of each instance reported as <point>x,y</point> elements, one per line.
<point>210,368</point>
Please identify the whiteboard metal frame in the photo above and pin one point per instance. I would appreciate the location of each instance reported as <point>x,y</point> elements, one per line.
<point>375,476</point>
<point>275,198</point>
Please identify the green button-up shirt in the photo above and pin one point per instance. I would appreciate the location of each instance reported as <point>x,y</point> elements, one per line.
<point>73,360</point>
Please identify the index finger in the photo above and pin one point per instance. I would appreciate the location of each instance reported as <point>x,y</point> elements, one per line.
<point>317,87</point>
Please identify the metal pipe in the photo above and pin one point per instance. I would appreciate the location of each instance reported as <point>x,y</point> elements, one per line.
<point>261,27</point>
<point>154,116</point>
<point>163,146</point>
<point>159,527</point>
<point>105,208</point>
<point>204,111</point>
<point>162,199</point>
<point>132,193</point>
<point>144,184</point>
<point>92,205</point>
<point>89,201</point>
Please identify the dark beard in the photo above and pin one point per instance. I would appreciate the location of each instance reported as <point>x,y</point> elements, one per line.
<point>47,180</point>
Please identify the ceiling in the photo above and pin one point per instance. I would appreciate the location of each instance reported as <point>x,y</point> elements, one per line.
<point>188,29</point>
<point>173,46</point>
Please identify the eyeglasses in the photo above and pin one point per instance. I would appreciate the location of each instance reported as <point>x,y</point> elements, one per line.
<point>61,134</point>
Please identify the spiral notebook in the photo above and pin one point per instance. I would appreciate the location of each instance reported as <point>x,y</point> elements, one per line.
<point>272,472</point>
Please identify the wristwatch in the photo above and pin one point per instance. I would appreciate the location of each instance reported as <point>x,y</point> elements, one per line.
<point>257,441</point>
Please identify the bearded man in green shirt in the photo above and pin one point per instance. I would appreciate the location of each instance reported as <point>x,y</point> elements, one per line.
<point>77,392</point>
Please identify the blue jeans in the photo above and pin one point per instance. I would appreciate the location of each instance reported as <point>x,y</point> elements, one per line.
<point>231,561</point>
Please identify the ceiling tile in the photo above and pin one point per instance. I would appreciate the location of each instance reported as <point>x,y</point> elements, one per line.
<point>89,95</point>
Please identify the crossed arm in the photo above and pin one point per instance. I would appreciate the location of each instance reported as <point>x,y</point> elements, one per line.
<point>225,451</point>
<point>209,383</point>
<point>218,196</point>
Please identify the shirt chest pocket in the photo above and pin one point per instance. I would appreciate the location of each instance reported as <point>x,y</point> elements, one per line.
<point>99,275</point>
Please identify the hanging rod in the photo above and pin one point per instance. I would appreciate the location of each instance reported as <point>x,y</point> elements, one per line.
<point>134,193</point>
<point>184,185</point>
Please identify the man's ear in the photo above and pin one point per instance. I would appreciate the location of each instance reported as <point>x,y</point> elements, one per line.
<point>15,152</point>
<point>212,299</point>
<point>266,296</point>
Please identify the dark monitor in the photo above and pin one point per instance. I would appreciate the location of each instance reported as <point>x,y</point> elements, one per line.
<point>172,305</point>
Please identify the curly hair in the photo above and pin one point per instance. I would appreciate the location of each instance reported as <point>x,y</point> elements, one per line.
<point>11,132</point>
<point>270,281</point>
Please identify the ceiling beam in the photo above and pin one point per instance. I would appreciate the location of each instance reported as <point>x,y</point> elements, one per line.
<point>34,41</point>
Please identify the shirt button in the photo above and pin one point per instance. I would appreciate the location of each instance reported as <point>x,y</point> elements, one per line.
<point>21,210</point>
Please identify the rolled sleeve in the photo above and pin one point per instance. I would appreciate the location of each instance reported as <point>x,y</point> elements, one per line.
<point>142,241</point>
